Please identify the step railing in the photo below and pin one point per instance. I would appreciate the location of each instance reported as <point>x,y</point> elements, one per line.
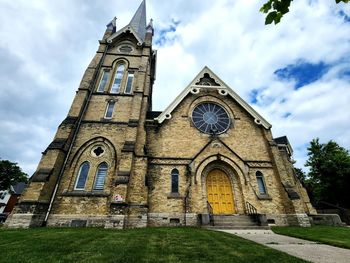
<point>211,214</point>
<point>252,211</point>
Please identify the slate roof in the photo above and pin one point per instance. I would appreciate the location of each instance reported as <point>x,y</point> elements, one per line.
<point>282,140</point>
<point>19,188</point>
<point>138,22</point>
<point>136,26</point>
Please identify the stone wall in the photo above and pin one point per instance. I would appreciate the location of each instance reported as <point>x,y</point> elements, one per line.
<point>86,220</point>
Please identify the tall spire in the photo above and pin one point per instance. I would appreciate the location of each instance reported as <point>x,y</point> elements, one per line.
<point>138,22</point>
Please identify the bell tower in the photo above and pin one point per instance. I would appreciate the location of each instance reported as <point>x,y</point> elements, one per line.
<point>93,172</point>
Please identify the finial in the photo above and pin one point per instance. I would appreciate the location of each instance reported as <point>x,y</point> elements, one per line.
<point>112,26</point>
<point>149,28</point>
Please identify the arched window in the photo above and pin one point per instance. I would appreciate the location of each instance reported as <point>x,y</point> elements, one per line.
<point>118,77</point>
<point>174,181</point>
<point>100,176</point>
<point>109,109</point>
<point>129,83</point>
<point>82,176</point>
<point>103,81</point>
<point>261,183</point>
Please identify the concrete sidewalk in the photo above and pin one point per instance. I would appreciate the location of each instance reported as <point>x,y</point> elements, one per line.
<point>307,250</point>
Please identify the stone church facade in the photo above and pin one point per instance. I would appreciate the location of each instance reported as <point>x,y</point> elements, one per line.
<point>116,163</point>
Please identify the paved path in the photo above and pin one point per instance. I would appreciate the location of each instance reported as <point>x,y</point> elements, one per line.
<point>307,250</point>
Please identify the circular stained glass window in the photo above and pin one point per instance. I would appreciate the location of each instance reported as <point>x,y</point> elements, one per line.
<point>210,118</point>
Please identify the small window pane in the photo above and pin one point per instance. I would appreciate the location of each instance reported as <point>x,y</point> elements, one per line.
<point>261,184</point>
<point>82,176</point>
<point>103,82</point>
<point>129,83</point>
<point>118,79</point>
<point>175,181</point>
<point>100,176</point>
<point>109,111</point>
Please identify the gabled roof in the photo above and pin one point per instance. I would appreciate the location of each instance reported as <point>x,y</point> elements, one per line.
<point>196,85</point>
<point>137,25</point>
<point>19,188</point>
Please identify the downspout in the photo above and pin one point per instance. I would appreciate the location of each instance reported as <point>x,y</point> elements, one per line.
<point>188,176</point>
<point>81,115</point>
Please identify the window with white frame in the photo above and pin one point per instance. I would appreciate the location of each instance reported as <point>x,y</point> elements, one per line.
<point>118,77</point>
<point>104,80</point>
<point>261,183</point>
<point>109,109</point>
<point>100,176</point>
<point>82,176</point>
<point>129,83</point>
<point>2,194</point>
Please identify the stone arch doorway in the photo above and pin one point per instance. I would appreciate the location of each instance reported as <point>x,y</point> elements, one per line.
<point>219,192</point>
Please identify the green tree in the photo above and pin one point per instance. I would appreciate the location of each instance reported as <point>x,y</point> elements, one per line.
<point>275,9</point>
<point>10,174</point>
<point>329,176</point>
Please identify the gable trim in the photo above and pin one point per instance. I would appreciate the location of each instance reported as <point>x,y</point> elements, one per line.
<point>222,89</point>
<point>125,30</point>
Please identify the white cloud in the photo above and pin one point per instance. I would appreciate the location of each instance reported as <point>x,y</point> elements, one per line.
<point>48,44</point>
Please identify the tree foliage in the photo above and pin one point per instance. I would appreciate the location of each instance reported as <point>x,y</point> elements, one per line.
<point>329,176</point>
<point>275,9</point>
<point>10,174</point>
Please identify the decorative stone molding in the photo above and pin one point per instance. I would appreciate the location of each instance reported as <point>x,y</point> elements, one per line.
<point>259,164</point>
<point>169,161</point>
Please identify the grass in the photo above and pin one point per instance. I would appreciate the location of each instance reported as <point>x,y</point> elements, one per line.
<point>135,245</point>
<point>335,236</point>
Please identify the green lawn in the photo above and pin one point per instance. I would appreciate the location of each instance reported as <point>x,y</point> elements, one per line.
<point>138,245</point>
<point>336,236</point>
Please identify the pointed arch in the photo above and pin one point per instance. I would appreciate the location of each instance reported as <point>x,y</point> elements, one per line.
<point>175,181</point>
<point>100,176</point>
<point>118,77</point>
<point>82,176</point>
<point>261,183</point>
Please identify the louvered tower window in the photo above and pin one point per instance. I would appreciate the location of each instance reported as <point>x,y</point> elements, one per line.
<point>100,176</point>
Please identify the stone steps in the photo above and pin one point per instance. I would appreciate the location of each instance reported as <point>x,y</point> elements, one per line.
<point>239,227</point>
<point>235,222</point>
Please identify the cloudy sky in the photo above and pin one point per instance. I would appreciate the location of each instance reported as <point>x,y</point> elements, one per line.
<point>295,74</point>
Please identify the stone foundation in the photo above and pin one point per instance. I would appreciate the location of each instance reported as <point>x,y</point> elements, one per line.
<point>288,220</point>
<point>106,221</point>
<point>27,214</point>
<point>326,219</point>
<point>172,219</point>
<point>24,220</point>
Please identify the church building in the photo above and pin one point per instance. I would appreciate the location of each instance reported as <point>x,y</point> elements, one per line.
<point>208,159</point>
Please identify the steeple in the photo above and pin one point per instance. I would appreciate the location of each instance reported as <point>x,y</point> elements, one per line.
<point>138,22</point>
<point>136,26</point>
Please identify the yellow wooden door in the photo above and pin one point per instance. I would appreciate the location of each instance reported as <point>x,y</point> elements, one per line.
<point>219,192</point>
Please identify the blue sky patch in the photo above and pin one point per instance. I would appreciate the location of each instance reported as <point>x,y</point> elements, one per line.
<point>303,73</point>
<point>162,34</point>
<point>253,96</point>
<point>287,114</point>
<point>344,16</point>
